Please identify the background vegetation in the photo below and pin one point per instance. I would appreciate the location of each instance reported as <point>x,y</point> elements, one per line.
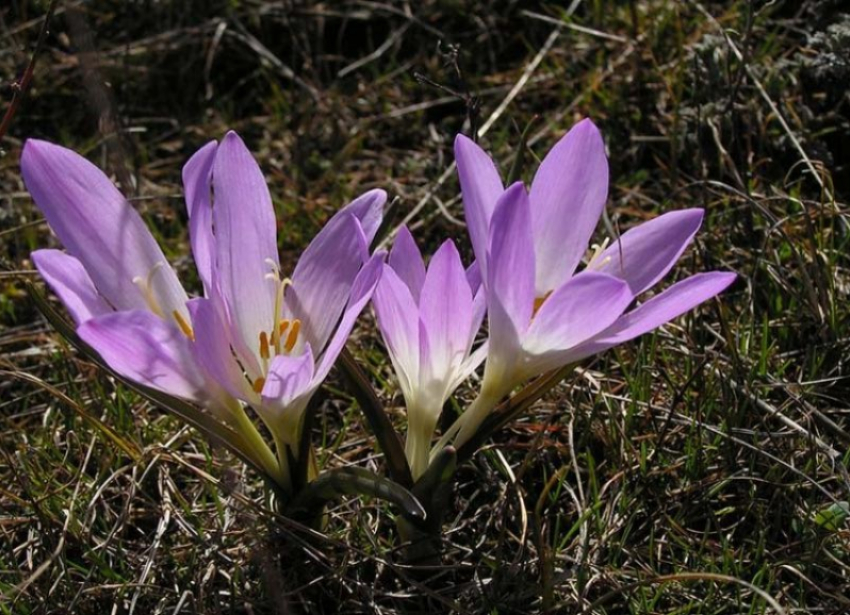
<point>683,473</point>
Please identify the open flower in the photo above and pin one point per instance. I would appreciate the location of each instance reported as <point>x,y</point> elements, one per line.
<point>257,336</point>
<point>428,319</point>
<point>543,314</point>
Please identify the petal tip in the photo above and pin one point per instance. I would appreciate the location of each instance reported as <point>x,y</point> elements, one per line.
<point>465,146</point>
<point>514,190</point>
<point>34,150</point>
<point>587,124</point>
<point>448,246</point>
<point>692,217</point>
<point>725,279</point>
<point>232,140</point>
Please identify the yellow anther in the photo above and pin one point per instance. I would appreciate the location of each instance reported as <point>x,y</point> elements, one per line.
<point>184,326</point>
<point>539,301</point>
<point>264,345</point>
<point>293,335</point>
<point>258,385</point>
<point>277,334</point>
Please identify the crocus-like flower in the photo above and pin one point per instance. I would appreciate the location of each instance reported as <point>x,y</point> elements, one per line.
<point>542,313</point>
<point>256,336</point>
<point>428,320</point>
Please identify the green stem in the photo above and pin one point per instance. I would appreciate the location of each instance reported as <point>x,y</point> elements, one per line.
<point>464,427</point>
<point>420,431</point>
<point>509,409</point>
<point>258,446</point>
<point>282,461</point>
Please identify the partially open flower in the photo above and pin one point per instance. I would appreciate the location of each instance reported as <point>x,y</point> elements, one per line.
<point>543,313</point>
<point>428,319</point>
<point>257,336</point>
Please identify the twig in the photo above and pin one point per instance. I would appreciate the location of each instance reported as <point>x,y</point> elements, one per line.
<point>526,75</point>
<point>391,40</point>
<point>22,86</point>
<point>576,27</point>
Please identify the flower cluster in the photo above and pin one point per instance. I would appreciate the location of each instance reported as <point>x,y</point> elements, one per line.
<point>265,340</point>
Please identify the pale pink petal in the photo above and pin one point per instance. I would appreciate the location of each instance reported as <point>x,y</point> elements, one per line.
<point>587,304</point>
<point>645,254</point>
<point>323,277</point>
<point>567,198</point>
<point>510,287</point>
<point>406,261</point>
<point>481,187</point>
<point>197,184</point>
<point>145,349</point>
<point>245,241</point>
<point>99,228</point>
<point>69,280</point>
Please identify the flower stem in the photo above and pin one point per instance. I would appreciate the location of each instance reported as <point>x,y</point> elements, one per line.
<point>420,431</point>
<point>259,448</point>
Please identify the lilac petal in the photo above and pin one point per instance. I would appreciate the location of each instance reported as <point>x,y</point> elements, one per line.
<point>197,183</point>
<point>286,394</point>
<point>473,276</point>
<point>245,240</point>
<point>510,288</point>
<point>481,188</point>
<point>213,350</point>
<point>479,301</point>
<point>68,279</point>
<point>567,198</point>
<point>469,365</point>
<point>645,254</point>
<point>479,309</point>
<point>398,320</point>
<point>361,292</point>
<point>445,311</point>
<point>98,227</point>
<point>673,302</point>
<point>406,261</point>
<point>322,280</point>
<point>368,208</point>
<point>289,377</point>
<point>144,348</point>
<point>587,304</point>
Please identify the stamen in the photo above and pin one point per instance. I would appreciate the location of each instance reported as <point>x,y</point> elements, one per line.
<point>264,345</point>
<point>279,333</point>
<point>273,266</point>
<point>293,335</point>
<point>598,249</point>
<point>185,327</point>
<point>539,301</point>
<point>278,307</point>
<point>146,287</point>
<point>258,385</point>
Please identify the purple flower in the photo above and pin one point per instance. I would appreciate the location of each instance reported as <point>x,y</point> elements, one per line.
<point>256,336</point>
<point>428,319</point>
<point>543,314</point>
